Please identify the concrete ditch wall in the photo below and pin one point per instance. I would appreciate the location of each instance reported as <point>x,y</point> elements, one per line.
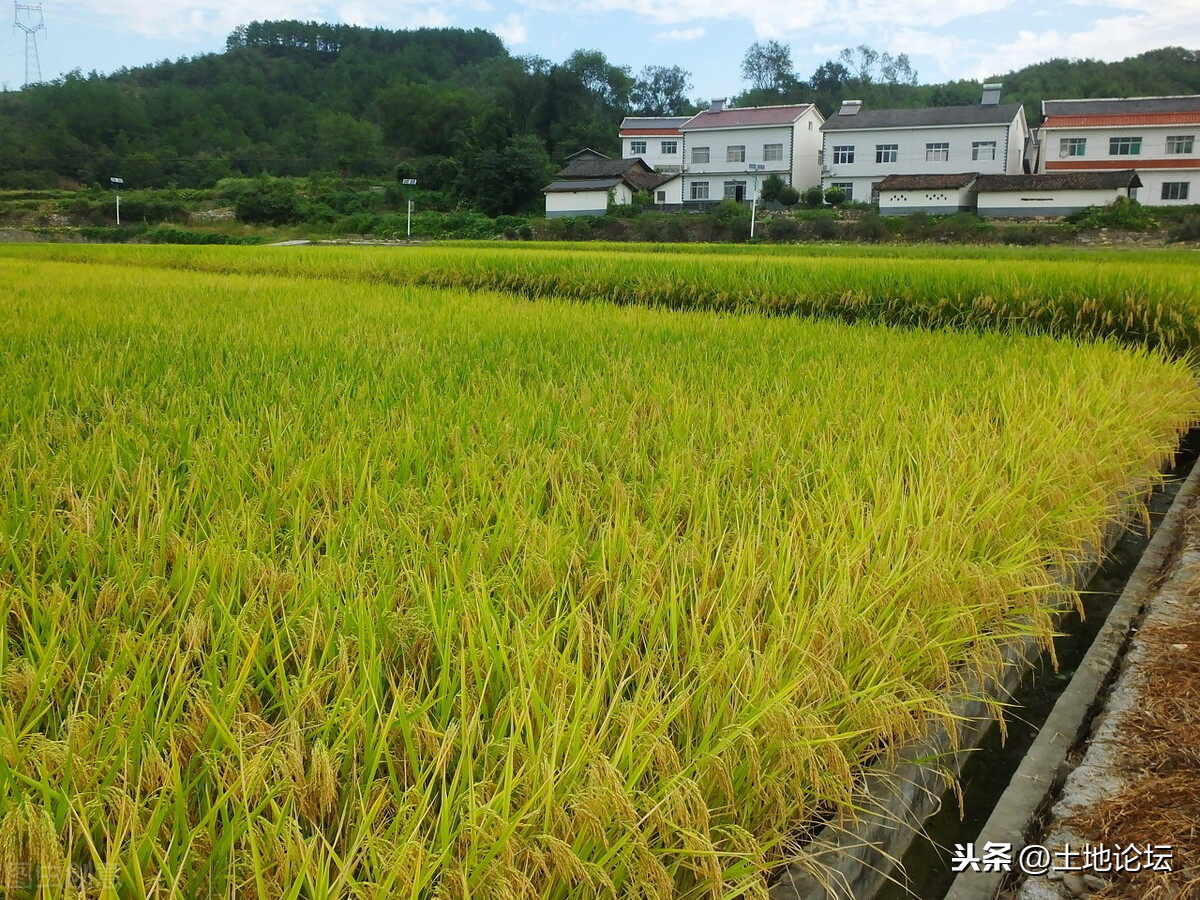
<point>852,860</point>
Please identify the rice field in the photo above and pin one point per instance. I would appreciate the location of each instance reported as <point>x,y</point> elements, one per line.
<point>1137,298</point>
<point>319,582</point>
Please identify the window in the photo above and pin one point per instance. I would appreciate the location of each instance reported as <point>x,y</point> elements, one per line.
<point>875,191</point>
<point>983,150</point>
<point>1175,190</point>
<point>670,147</point>
<point>735,190</point>
<point>699,190</point>
<point>1124,146</point>
<point>1180,143</point>
<point>660,196</point>
<point>772,152</point>
<point>887,153</point>
<point>1072,146</point>
<point>843,154</point>
<point>847,188</point>
<point>636,147</point>
<point>937,152</point>
<point>735,153</point>
<point>699,154</point>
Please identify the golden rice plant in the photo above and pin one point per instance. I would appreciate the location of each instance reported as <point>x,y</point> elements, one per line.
<point>322,587</point>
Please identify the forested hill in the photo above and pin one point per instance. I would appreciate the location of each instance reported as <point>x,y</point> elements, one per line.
<point>474,122</point>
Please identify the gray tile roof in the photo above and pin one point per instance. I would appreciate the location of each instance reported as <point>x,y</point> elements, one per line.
<point>926,182</point>
<point>586,184</point>
<point>652,122</point>
<point>1058,181</point>
<point>1000,114</point>
<point>1121,107</point>
<point>591,167</point>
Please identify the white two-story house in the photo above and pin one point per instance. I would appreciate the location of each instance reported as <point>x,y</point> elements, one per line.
<point>1155,136</point>
<point>656,139</point>
<point>862,147</point>
<point>727,151</point>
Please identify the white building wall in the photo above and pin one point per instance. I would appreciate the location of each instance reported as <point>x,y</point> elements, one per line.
<point>799,142</point>
<point>655,155</point>
<point>1151,191</point>
<point>943,201</point>
<point>806,150</point>
<point>1153,164</point>
<point>1043,203</point>
<point>584,203</point>
<point>913,157</point>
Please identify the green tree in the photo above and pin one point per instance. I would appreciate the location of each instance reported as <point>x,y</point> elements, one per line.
<point>767,66</point>
<point>661,91</point>
<point>772,186</point>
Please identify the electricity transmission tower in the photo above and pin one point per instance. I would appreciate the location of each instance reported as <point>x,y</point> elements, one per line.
<point>31,24</point>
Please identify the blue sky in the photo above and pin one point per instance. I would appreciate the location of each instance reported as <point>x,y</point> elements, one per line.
<point>944,38</point>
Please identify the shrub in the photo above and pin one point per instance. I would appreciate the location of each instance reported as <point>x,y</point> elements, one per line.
<point>1186,230</point>
<point>268,202</point>
<point>771,187</point>
<point>789,196</point>
<point>1123,213</point>
<point>870,228</point>
<point>813,197</point>
<point>835,196</point>
<point>823,225</point>
<point>783,230</point>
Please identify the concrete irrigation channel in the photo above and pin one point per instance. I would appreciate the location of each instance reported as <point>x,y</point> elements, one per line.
<point>904,841</point>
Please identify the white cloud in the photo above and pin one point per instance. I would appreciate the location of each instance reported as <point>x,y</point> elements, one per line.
<point>512,30</point>
<point>861,20</point>
<point>1147,25</point>
<point>680,34</point>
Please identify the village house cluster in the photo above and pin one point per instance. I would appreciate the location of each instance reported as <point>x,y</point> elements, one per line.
<point>982,158</point>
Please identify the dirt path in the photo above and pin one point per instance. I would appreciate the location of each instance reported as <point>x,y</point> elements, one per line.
<point>1127,824</point>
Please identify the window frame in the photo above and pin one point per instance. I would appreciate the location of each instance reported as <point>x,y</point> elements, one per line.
<point>1179,190</point>
<point>937,151</point>
<point>1125,146</point>
<point>843,154</point>
<point>674,145</point>
<point>696,189</point>
<point>887,153</point>
<point>735,153</point>
<point>696,151</point>
<point>847,189</point>
<point>633,147</point>
<point>770,149</point>
<point>1072,146</point>
<point>1181,145</point>
<point>977,146</point>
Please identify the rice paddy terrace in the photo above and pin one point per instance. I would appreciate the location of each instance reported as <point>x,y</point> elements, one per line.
<point>355,573</point>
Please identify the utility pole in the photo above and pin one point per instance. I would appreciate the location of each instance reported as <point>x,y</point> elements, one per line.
<point>31,24</point>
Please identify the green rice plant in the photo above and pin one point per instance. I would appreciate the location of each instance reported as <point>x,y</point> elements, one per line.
<point>319,586</point>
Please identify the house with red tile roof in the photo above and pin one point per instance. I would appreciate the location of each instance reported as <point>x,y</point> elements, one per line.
<point>655,139</point>
<point>1154,136</point>
<point>728,152</point>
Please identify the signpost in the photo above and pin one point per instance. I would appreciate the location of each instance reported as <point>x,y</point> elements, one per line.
<point>116,183</point>
<point>408,182</point>
<point>755,168</point>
